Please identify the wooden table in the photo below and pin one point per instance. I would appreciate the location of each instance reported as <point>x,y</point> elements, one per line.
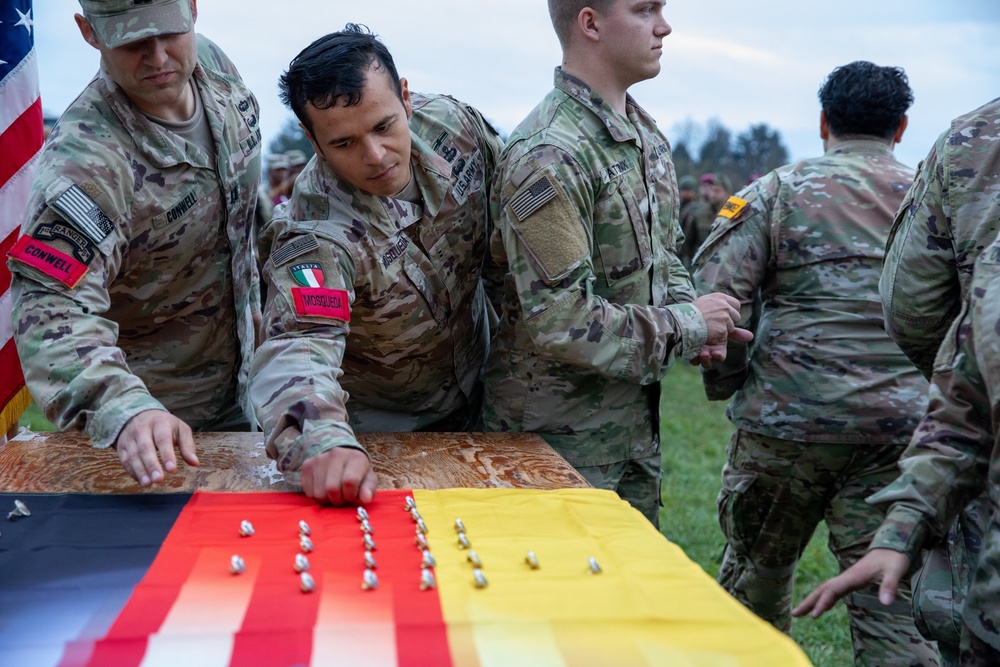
<point>67,463</point>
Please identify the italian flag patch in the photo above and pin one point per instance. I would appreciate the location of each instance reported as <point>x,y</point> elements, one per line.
<point>308,275</point>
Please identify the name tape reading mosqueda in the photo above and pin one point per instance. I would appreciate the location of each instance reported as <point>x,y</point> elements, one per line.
<point>322,302</point>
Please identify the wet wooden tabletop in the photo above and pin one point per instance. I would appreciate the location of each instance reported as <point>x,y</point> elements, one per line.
<point>67,463</point>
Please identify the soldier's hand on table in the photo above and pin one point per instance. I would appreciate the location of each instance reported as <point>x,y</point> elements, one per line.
<point>882,565</point>
<point>339,476</point>
<point>149,437</point>
<point>721,313</point>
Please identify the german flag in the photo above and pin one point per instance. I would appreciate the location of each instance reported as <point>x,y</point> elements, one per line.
<point>145,580</point>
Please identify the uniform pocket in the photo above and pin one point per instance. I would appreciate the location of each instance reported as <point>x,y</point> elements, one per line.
<point>735,510</point>
<point>622,239</point>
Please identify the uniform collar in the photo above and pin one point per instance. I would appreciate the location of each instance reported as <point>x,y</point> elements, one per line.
<point>619,128</point>
<point>855,146</point>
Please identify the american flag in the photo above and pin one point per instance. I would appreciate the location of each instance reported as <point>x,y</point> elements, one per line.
<point>21,135</point>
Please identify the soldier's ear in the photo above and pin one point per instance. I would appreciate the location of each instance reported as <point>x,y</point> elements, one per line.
<point>405,96</point>
<point>86,30</point>
<point>901,129</point>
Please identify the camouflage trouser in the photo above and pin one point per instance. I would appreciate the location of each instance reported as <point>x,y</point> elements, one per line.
<point>774,494</point>
<point>941,584</point>
<point>636,481</point>
<point>974,652</point>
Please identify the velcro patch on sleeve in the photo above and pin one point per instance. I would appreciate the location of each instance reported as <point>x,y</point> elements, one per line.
<point>53,263</point>
<point>549,226</point>
<point>732,207</point>
<point>322,302</point>
<point>297,247</point>
<point>83,213</point>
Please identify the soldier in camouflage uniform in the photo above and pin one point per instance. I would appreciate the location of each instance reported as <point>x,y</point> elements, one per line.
<point>374,270</point>
<point>134,283</point>
<point>696,218</point>
<point>824,401</point>
<point>595,302</point>
<point>950,215</point>
<point>954,454</point>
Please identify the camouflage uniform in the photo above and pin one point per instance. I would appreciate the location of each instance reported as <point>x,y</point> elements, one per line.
<point>162,316</point>
<point>410,350</point>
<point>951,213</point>
<point>595,302</point>
<point>696,220</point>
<point>955,452</point>
<point>826,401</point>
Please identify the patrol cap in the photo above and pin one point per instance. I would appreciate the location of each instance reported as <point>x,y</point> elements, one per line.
<point>296,158</point>
<point>118,22</point>
<point>687,183</point>
<point>277,161</point>
<point>717,179</point>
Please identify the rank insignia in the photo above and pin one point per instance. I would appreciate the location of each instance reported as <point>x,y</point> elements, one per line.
<point>309,274</point>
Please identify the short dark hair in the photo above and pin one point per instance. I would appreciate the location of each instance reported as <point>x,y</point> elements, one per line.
<point>335,68</point>
<point>862,98</point>
<point>564,13</point>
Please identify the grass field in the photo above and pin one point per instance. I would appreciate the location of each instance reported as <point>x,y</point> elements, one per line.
<point>694,434</point>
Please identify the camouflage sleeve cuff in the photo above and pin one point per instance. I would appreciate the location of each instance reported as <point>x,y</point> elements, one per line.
<point>691,328</point>
<point>291,448</point>
<point>108,422</point>
<point>903,530</point>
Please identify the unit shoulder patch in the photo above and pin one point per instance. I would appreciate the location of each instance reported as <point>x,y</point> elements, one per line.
<point>732,207</point>
<point>548,225</point>
<point>83,248</point>
<point>308,274</point>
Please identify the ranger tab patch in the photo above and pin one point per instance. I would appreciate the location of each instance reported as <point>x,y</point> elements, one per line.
<point>322,302</point>
<point>309,274</point>
<point>732,207</point>
<point>83,213</point>
<point>40,255</point>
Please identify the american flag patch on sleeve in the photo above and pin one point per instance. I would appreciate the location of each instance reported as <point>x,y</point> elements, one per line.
<point>298,246</point>
<point>83,213</point>
<point>533,198</point>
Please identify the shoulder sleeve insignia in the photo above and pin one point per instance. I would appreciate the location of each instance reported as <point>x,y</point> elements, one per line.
<point>533,198</point>
<point>83,249</point>
<point>53,263</point>
<point>322,302</point>
<point>548,225</point>
<point>297,247</point>
<point>83,213</point>
<point>732,207</point>
<point>309,274</point>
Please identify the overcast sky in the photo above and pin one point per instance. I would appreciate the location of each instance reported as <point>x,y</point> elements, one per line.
<point>737,61</point>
